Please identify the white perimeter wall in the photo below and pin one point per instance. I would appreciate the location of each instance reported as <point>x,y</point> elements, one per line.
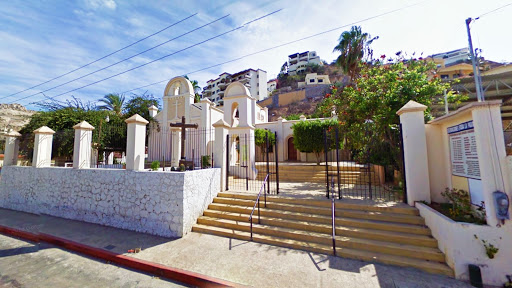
<point>159,203</point>
<point>457,241</point>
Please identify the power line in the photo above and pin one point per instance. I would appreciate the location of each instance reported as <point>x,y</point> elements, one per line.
<point>165,56</point>
<point>283,44</point>
<point>110,54</point>
<point>114,64</point>
<point>494,10</point>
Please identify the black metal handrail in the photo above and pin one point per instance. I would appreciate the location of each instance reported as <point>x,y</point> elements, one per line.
<point>258,203</point>
<point>333,210</point>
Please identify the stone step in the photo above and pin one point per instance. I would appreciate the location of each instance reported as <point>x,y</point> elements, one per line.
<point>263,167</point>
<point>377,207</point>
<point>340,221</point>
<point>429,266</point>
<point>382,235</point>
<point>347,213</point>
<point>425,253</point>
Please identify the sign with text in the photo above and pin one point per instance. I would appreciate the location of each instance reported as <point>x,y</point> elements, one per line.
<point>463,154</point>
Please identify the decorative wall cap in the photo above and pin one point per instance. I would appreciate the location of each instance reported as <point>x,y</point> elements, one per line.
<point>136,119</point>
<point>84,125</point>
<point>44,130</point>
<point>466,109</point>
<point>205,100</point>
<point>249,127</point>
<point>12,133</point>
<point>153,108</point>
<point>221,123</point>
<point>302,117</point>
<point>411,106</point>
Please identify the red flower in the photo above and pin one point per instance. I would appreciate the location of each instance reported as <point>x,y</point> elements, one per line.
<point>382,56</point>
<point>327,95</point>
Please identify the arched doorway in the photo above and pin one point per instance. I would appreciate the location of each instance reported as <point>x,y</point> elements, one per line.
<point>292,152</point>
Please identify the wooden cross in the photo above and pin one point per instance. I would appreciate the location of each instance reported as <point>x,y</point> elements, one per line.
<point>182,125</point>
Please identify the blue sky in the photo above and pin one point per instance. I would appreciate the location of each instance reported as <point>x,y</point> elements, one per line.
<point>43,39</point>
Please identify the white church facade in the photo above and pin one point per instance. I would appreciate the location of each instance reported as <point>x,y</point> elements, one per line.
<point>240,112</point>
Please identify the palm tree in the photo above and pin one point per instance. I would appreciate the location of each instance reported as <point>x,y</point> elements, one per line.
<point>197,89</point>
<point>113,102</point>
<point>352,45</point>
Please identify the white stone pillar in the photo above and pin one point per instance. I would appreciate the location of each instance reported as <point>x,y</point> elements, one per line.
<point>220,152</point>
<point>43,147</point>
<point>281,140</point>
<point>136,142</point>
<point>12,146</point>
<point>176,146</point>
<point>415,152</point>
<point>153,110</point>
<point>490,145</point>
<point>82,148</point>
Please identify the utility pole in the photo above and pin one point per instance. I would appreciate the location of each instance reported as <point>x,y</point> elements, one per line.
<point>476,71</point>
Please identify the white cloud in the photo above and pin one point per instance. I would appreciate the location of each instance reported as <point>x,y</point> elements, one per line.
<point>96,4</point>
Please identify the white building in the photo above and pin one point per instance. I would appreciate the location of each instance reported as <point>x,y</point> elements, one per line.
<point>315,79</point>
<point>240,112</point>
<point>252,79</point>
<point>271,86</point>
<point>297,62</point>
<point>453,56</point>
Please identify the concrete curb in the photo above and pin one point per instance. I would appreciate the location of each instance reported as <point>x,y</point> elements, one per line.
<point>176,274</point>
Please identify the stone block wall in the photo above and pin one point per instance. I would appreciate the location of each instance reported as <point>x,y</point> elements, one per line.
<point>160,203</point>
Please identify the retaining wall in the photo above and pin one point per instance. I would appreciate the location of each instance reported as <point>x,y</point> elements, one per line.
<point>160,203</point>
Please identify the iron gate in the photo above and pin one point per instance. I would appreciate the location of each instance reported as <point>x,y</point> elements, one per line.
<point>248,163</point>
<point>356,175</point>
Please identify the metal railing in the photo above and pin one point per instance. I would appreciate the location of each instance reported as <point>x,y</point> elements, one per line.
<point>258,203</point>
<point>333,213</point>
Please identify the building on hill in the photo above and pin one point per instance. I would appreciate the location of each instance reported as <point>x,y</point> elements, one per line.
<point>252,79</point>
<point>271,86</point>
<point>314,79</point>
<point>297,62</point>
<point>450,57</point>
<point>457,63</point>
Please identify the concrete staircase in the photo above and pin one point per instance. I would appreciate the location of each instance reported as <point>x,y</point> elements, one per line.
<point>316,174</point>
<point>390,235</point>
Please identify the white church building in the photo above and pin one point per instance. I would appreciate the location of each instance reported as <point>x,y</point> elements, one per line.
<point>240,112</point>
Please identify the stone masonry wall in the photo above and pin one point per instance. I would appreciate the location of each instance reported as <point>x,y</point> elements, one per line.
<point>159,203</point>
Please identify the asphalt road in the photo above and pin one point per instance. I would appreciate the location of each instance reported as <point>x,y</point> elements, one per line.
<point>23,264</point>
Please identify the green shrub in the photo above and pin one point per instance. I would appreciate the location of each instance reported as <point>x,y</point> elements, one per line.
<point>182,167</point>
<point>155,165</point>
<point>205,161</point>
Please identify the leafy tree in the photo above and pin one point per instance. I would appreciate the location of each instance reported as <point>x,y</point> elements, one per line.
<point>260,137</point>
<point>353,45</point>
<point>367,114</point>
<point>62,121</point>
<point>139,104</point>
<point>113,102</point>
<point>308,135</point>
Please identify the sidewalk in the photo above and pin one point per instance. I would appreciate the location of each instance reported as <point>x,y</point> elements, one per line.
<point>243,262</point>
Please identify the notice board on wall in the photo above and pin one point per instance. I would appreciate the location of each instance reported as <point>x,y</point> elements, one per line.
<point>463,154</point>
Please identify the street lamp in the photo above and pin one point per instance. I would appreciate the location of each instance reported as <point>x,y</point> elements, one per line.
<point>107,119</point>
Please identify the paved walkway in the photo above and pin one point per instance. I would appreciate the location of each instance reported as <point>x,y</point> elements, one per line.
<point>243,262</point>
